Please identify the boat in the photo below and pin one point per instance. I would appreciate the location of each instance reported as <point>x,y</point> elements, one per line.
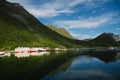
<point>18,51</point>
<point>41,50</point>
<point>2,54</point>
<point>32,50</point>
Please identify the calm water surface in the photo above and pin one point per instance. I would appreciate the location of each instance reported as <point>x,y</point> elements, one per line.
<point>94,65</point>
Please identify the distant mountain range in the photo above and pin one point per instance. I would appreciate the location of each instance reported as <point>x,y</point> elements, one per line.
<point>105,40</point>
<point>18,28</point>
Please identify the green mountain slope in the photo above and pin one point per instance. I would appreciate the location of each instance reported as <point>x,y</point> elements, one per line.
<point>61,31</point>
<point>19,28</point>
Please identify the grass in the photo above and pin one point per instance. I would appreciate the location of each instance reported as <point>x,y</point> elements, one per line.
<point>30,68</point>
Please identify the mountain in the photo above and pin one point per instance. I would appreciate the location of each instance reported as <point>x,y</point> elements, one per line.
<point>103,40</point>
<point>19,28</point>
<point>61,31</point>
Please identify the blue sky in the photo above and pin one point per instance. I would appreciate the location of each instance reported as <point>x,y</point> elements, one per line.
<point>82,18</point>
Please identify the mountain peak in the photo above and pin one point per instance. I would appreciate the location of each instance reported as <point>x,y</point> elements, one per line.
<point>114,36</point>
<point>61,31</point>
<point>104,40</point>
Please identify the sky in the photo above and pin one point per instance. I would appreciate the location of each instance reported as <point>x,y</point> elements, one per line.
<point>82,18</point>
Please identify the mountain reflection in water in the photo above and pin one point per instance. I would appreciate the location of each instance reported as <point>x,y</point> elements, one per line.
<point>93,65</point>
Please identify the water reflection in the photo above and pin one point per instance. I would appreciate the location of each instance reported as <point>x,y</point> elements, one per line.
<point>106,56</point>
<point>94,65</point>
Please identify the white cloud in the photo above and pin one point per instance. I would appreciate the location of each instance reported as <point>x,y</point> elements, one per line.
<point>117,29</point>
<point>91,22</point>
<point>56,7</point>
<point>44,13</point>
<point>52,9</point>
<point>88,23</point>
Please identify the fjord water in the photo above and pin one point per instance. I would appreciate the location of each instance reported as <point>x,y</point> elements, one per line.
<point>91,65</point>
